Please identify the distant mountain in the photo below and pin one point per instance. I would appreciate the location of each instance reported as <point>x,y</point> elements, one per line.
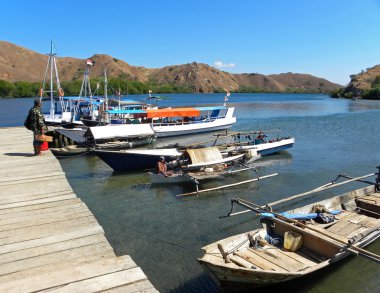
<point>20,64</point>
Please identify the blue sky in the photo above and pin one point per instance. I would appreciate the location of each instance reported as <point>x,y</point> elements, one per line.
<point>326,38</point>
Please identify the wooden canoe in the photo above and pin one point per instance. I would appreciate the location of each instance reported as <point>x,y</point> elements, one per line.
<point>238,264</point>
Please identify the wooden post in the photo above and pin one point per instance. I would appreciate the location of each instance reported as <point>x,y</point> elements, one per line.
<point>224,253</point>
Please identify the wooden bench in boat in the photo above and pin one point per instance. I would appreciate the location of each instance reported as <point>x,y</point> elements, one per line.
<point>274,259</point>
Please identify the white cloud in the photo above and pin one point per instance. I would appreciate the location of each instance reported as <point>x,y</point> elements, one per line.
<point>221,64</point>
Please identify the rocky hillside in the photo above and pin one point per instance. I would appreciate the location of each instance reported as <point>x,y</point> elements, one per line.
<point>363,82</point>
<point>20,64</point>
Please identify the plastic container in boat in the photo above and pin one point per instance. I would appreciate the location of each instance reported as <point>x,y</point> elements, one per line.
<point>292,241</point>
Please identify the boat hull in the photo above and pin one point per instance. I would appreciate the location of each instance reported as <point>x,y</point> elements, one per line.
<point>267,148</point>
<point>137,160</point>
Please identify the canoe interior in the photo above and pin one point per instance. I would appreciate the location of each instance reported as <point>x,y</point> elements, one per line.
<point>239,260</point>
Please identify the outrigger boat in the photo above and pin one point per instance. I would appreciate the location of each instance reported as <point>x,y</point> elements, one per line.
<point>137,159</point>
<point>300,241</point>
<point>202,164</point>
<point>255,142</point>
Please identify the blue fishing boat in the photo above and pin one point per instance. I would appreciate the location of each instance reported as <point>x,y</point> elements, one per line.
<point>138,159</point>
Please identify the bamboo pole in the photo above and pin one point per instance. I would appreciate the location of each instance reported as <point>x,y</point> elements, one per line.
<point>318,189</point>
<point>283,219</point>
<point>226,186</point>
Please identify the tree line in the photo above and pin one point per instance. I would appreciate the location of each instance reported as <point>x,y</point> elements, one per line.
<point>20,89</point>
<point>369,94</point>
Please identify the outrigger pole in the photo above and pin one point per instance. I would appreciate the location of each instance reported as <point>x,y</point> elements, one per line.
<point>301,227</point>
<point>329,185</point>
<point>228,185</point>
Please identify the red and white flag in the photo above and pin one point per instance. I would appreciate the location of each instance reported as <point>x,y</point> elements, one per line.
<point>90,62</point>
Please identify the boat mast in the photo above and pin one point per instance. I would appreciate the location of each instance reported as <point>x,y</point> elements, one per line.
<point>105,95</point>
<point>53,69</point>
<point>86,87</point>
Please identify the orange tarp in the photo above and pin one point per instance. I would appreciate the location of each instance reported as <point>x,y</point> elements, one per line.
<point>174,112</point>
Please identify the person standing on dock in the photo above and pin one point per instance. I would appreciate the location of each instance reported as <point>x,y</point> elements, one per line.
<point>37,125</point>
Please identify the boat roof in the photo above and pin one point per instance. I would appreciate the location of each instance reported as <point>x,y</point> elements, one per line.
<point>126,111</point>
<point>173,112</point>
<point>125,101</point>
<point>212,108</point>
<point>120,131</point>
<point>204,155</point>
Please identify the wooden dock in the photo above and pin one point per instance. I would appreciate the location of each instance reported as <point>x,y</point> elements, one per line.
<point>49,239</point>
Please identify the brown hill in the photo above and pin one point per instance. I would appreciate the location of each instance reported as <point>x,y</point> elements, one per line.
<point>305,82</point>
<point>18,63</point>
<point>363,81</point>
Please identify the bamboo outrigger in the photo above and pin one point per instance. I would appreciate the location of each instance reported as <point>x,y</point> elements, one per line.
<point>205,164</point>
<point>245,260</point>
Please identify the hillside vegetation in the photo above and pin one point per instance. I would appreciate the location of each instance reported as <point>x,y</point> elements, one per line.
<point>365,84</point>
<point>21,72</point>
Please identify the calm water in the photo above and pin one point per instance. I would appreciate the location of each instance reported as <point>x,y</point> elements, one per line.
<point>164,233</point>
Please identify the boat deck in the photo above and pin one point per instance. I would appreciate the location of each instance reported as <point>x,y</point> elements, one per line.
<point>49,239</point>
<point>270,258</point>
<point>273,259</point>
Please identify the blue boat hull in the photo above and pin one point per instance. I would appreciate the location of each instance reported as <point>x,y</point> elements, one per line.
<point>123,162</point>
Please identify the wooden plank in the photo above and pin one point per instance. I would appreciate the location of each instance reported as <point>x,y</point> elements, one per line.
<point>307,253</point>
<point>140,286</point>
<point>78,254</point>
<point>36,186</point>
<point>51,248</point>
<point>57,277</point>
<point>42,213</point>
<point>46,230</point>
<point>356,232</point>
<point>61,237</point>
<point>23,177</point>
<point>370,222</point>
<point>241,262</point>
<point>51,218</point>
<point>35,208</point>
<point>31,210</point>
<point>104,282</point>
<point>36,178</point>
<point>10,170</point>
<point>348,229</point>
<point>299,256</point>
<point>290,258</point>
<point>7,199</point>
<point>38,201</point>
<point>258,261</point>
<point>273,257</point>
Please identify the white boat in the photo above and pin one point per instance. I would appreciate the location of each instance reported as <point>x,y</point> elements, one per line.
<point>167,122</point>
<point>246,261</point>
<point>111,136</point>
<point>253,141</point>
<point>191,120</point>
<point>61,110</point>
